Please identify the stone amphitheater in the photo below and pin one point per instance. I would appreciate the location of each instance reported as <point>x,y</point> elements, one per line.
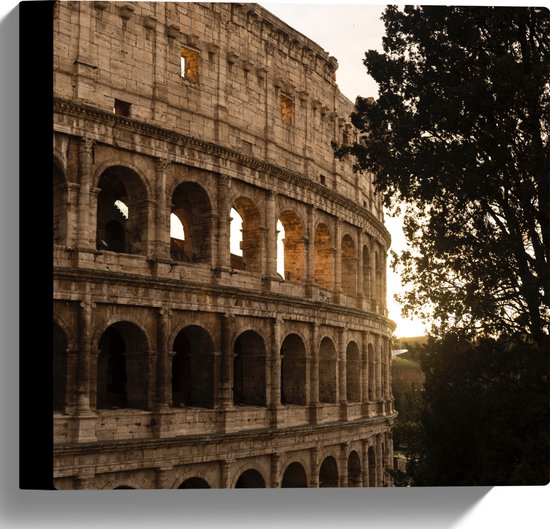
<point>219,277</point>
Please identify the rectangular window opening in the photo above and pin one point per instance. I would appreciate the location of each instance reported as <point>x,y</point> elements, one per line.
<point>122,108</point>
<point>189,65</point>
<point>287,109</point>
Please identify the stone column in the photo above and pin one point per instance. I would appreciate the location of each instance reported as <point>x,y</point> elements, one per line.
<point>151,379</point>
<point>72,367</point>
<point>365,460</point>
<point>275,468</point>
<point>225,467</point>
<point>314,374</point>
<point>342,374</point>
<point>162,214</point>
<point>344,477</point>
<point>365,371</point>
<point>378,367</point>
<point>72,214</point>
<point>224,186</point>
<point>360,286</point>
<point>310,242</point>
<point>276,329</point>
<point>314,478</point>
<point>227,326</point>
<point>84,428</point>
<point>164,364</point>
<point>379,461</point>
<point>271,238</point>
<point>163,477</point>
<point>84,233</point>
<point>338,261</point>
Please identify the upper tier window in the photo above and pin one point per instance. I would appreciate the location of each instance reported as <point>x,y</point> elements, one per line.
<point>189,64</point>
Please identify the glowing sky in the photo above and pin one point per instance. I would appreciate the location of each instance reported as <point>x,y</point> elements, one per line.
<point>346,31</point>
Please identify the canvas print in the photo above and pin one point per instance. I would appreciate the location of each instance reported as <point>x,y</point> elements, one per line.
<point>267,276</point>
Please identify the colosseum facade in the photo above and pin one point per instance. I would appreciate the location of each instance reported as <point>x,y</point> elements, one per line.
<point>219,277</point>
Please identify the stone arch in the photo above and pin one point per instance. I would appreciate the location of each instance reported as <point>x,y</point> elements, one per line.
<point>194,483</point>
<point>60,346</point>
<point>328,473</point>
<point>193,368</point>
<point>349,266</point>
<point>122,367</point>
<point>353,372</point>
<point>324,256</point>
<point>328,371</point>
<point>250,479</point>
<point>371,455</point>
<point>59,201</point>
<point>293,370</point>
<point>252,235</point>
<point>293,245</point>
<point>121,484</point>
<point>249,366</point>
<point>294,476</point>
<point>191,205</point>
<point>354,470</point>
<point>122,217</point>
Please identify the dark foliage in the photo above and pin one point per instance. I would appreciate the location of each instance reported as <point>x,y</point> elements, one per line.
<point>459,138</point>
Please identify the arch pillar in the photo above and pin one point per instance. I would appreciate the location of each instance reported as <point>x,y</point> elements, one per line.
<point>338,262</point>
<point>226,375</point>
<point>162,215</point>
<point>162,477</point>
<point>271,237</point>
<point>342,368</point>
<point>379,461</point>
<point>314,460</point>
<point>365,459</point>
<point>72,214</point>
<point>225,467</point>
<point>360,278</point>
<point>310,251</point>
<point>85,152</point>
<point>224,185</point>
<point>275,470</point>
<point>315,408</point>
<point>344,474</point>
<point>276,329</point>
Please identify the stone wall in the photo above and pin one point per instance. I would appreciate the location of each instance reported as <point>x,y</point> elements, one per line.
<point>178,363</point>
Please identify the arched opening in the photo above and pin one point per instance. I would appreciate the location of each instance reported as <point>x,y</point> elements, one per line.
<point>354,470</point>
<point>324,257</point>
<point>59,368</point>
<point>280,249</point>
<point>367,289</point>
<point>246,246</point>
<point>193,368</point>
<point>190,217</point>
<point>121,212</point>
<point>372,467</point>
<point>328,473</point>
<point>349,266</point>
<point>250,479</point>
<point>122,368</point>
<point>294,246</point>
<point>59,207</point>
<point>371,372</point>
<point>327,371</point>
<point>194,483</point>
<point>293,371</point>
<point>249,370</point>
<point>124,487</point>
<point>294,477</point>
<point>353,373</point>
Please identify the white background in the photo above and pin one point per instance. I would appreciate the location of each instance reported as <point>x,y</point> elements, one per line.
<point>499,507</point>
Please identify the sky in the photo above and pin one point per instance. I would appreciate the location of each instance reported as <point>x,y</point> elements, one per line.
<point>347,31</point>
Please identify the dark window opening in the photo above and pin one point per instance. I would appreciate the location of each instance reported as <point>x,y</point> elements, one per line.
<point>122,108</point>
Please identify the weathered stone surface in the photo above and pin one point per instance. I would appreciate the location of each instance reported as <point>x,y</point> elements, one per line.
<point>177,363</point>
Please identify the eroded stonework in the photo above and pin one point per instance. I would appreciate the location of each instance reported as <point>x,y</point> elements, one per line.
<point>180,362</point>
